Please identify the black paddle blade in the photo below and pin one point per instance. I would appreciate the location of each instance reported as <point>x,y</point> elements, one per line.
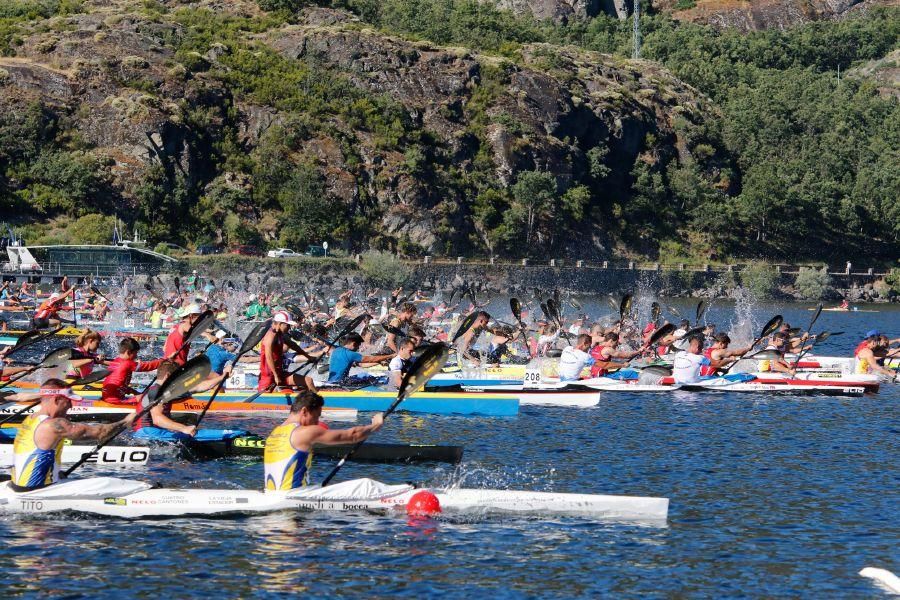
<point>660,333</point>
<point>822,337</point>
<point>553,307</point>
<point>516,308</point>
<point>206,320</point>
<point>57,357</point>
<point>395,331</point>
<point>625,306</point>
<point>177,282</point>
<point>351,326</point>
<point>815,316</point>
<point>255,337</point>
<point>423,368</point>
<point>556,296</point>
<point>184,378</point>
<point>27,337</point>
<point>465,326</point>
<point>91,377</point>
<point>546,311</point>
<point>655,311</point>
<point>773,324</point>
<point>701,308</point>
<point>694,331</point>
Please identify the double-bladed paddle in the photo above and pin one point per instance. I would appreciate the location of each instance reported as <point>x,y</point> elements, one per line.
<point>30,338</point>
<point>701,310</point>
<point>625,306</point>
<point>516,308</point>
<point>812,322</point>
<point>180,382</point>
<point>465,326</point>
<point>420,371</point>
<point>54,358</point>
<point>250,342</point>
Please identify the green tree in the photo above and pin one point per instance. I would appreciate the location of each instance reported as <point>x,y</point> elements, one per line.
<point>92,229</point>
<point>534,197</point>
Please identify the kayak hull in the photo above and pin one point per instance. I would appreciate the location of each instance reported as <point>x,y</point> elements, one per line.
<point>112,497</point>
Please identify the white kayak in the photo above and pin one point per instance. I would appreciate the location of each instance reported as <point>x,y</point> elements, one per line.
<point>110,496</point>
<point>544,395</point>
<point>88,412</point>
<point>109,456</point>
<point>884,578</point>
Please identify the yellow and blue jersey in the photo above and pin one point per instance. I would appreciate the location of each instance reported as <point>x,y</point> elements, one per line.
<point>286,467</point>
<point>32,466</point>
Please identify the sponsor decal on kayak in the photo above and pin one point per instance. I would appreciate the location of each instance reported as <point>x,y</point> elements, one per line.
<point>115,501</point>
<point>244,442</point>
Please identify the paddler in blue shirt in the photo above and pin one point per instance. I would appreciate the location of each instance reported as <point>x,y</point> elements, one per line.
<point>343,358</point>
<point>289,448</point>
<point>39,440</point>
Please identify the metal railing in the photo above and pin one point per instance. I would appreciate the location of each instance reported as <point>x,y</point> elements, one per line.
<point>57,269</point>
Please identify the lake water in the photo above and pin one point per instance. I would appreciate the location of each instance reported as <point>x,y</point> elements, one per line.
<point>771,496</point>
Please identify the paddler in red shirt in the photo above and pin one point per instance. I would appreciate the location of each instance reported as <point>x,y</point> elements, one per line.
<point>719,355</point>
<point>117,385</point>
<point>271,356</point>
<point>46,314</point>
<point>175,348</point>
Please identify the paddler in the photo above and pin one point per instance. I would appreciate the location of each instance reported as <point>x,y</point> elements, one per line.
<point>778,343</point>
<point>46,316</point>
<point>471,336</point>
<point>719,355</point>
<point>271,356</point>
<point>866,357</point>
<point>402,321</point>
<point>158,423</point>
<point>117,385</point>
<point>84,355</point>
<point>39,441</point>
<point>607,356</point>
<point>175,348</point>
<point>575,358</point>
<point>289,448</point>
<point>687,364</point>
<point>400,363</point>
<point>345,357</point>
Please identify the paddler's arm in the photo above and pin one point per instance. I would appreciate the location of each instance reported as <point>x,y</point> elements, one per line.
<point>305,437</point>
<point>61,428</point>
<point>211,382</point>
<point>164,422</point>
<point>377,358</point>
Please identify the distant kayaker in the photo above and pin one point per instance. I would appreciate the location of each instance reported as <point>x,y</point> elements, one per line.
<point>466,346</point>
<point>46,314</point>
<point>289,448</point>
<point>402,322</point>
<point>39,441</point>
<point>687,364</point>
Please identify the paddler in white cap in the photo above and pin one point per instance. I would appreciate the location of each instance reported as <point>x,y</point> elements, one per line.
<point>46,314</point>
<point>39,440</point>
<point>271,356</point>
<point>175,348</point>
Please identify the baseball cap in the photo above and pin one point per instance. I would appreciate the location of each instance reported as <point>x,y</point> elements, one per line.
<point>221,334</point>
<point>872,332</point>
<point>54,295</point>
<point>283,317</point>
<point>191,309</point>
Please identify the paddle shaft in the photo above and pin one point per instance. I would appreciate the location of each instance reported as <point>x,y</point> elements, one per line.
<point>357,445</point>
<point>20,412</point>
<point>39,338</point>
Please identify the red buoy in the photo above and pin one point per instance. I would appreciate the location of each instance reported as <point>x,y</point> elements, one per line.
<point>423,503</point>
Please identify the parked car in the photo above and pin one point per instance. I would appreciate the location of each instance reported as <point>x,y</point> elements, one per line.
<point>207,249</point>
<point>314,250</point>
<point>246,250</point>
<point>282,253</point>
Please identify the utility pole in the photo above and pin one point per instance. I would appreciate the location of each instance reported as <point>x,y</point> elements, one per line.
<point>636,31</point>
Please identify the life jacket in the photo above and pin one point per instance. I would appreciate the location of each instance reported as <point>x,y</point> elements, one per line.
<point>707,370</point>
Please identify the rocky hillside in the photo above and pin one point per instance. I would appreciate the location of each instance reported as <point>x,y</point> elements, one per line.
<point>151,104</point>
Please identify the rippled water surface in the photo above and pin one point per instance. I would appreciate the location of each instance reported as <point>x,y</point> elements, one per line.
<point>770,497</point>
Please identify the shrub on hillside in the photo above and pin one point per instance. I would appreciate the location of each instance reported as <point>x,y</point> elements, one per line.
<point>383,270</point>
<point>813,284</point>
<point>761,279</point>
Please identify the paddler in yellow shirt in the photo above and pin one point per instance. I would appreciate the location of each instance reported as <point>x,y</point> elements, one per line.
<point>39,440</point>
<point>289,453</point>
